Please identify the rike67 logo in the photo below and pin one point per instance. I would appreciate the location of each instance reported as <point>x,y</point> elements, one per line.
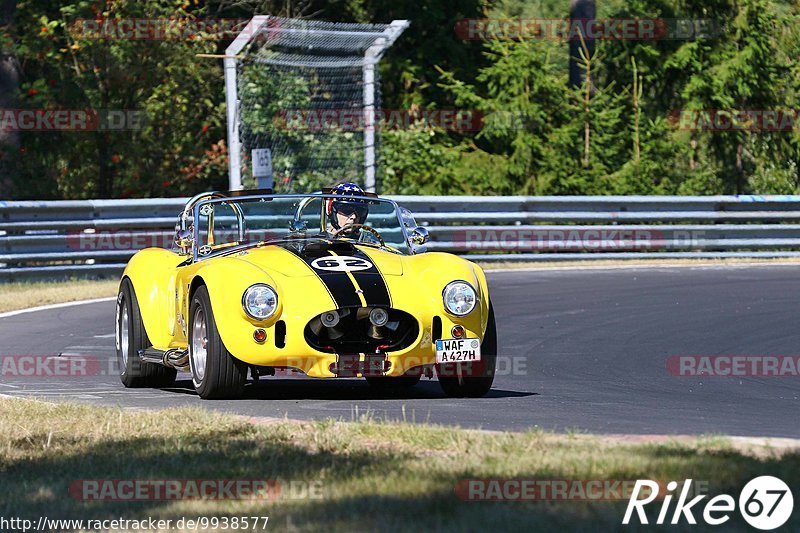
<point>765,503</point>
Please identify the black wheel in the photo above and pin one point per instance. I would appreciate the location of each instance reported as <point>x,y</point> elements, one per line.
<point>131,337</point>
<point>472,380</point>
<point>216,374</point>
<point>392,384</point>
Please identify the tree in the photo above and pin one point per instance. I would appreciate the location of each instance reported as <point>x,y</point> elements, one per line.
<point>746,70</point>
<point>521,97</point>
<point>170,108</point>
<point>9,91</point>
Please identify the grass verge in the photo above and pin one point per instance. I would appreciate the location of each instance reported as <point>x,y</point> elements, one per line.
<point>15,296</point>
<point>371,475</point>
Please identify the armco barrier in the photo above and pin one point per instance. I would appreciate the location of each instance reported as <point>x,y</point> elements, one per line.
<point>94,238</point>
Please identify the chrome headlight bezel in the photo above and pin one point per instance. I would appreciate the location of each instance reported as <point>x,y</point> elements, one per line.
<point>250,290</point>
<point>452,285</point>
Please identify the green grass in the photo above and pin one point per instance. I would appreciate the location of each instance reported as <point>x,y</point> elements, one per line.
<point>374,476</point>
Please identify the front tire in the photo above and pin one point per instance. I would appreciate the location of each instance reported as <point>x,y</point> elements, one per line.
<point>132,337</point>
<point>216,374</point>
<point>472,380</point>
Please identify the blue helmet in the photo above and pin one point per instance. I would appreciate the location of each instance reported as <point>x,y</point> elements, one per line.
<point>348,205</point>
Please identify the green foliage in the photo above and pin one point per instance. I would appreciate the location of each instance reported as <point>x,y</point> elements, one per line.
<point>537,126</point>
<point>409,71</point>
<point>746,70</point>
<point>521,96</point>
<point>534,134</point>
<point>418,160</point>
<point>621,140</point>
<point>173,114</point>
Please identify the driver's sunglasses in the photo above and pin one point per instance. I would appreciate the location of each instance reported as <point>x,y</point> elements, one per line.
<point>348,210</point>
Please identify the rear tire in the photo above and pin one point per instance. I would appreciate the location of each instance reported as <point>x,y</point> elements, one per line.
<point>132,337</point>
<point>472,380</point>
<point>216,374</point>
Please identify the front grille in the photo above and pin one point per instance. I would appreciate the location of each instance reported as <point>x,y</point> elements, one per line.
<point>354,333</point>
<point>436,328</point>
<point>280,334</point>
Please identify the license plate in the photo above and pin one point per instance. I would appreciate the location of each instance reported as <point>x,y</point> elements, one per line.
<point>458,350</point>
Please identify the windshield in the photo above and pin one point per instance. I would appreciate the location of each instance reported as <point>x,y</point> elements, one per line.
<point>224,225</point>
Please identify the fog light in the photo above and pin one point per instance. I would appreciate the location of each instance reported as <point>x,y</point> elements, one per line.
<point>259,335</point>
<point>378,317</point>
<point>330,319</point>
<point>457,331</point>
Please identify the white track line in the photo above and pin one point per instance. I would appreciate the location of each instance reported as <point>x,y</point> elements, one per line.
<point>55,306</point>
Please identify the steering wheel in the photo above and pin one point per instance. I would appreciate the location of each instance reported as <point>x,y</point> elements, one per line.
<point>369,229</point>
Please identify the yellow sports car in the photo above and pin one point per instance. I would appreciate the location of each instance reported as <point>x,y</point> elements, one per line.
<point>333,284</point>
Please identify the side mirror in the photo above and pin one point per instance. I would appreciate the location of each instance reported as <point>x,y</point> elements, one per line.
<point>419,236</point>
<point>184,239</point>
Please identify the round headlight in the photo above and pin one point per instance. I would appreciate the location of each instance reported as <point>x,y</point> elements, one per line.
<point>459,298</point>
<point>260,301</point>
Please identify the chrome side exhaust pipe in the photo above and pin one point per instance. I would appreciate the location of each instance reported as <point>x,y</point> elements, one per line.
<point>172,358</point>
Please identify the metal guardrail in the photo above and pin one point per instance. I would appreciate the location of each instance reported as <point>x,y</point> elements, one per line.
<point>95,238</point>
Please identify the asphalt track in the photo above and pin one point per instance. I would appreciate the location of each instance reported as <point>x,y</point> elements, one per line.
<point>582,349</point>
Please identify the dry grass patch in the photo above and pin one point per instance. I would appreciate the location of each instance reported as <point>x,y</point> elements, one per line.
<point>15,296</point>
<point>373,475</point>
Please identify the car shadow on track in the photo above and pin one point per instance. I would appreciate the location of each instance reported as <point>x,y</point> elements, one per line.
<point>346,389</point>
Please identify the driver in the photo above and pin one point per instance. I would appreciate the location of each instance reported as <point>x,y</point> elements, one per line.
<point>348,211</point>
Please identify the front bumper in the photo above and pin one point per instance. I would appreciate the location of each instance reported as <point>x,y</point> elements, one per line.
<point>286,347</point>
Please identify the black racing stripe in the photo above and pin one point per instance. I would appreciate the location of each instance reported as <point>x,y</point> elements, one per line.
<point>371,281</point>
<point>338,283</point>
